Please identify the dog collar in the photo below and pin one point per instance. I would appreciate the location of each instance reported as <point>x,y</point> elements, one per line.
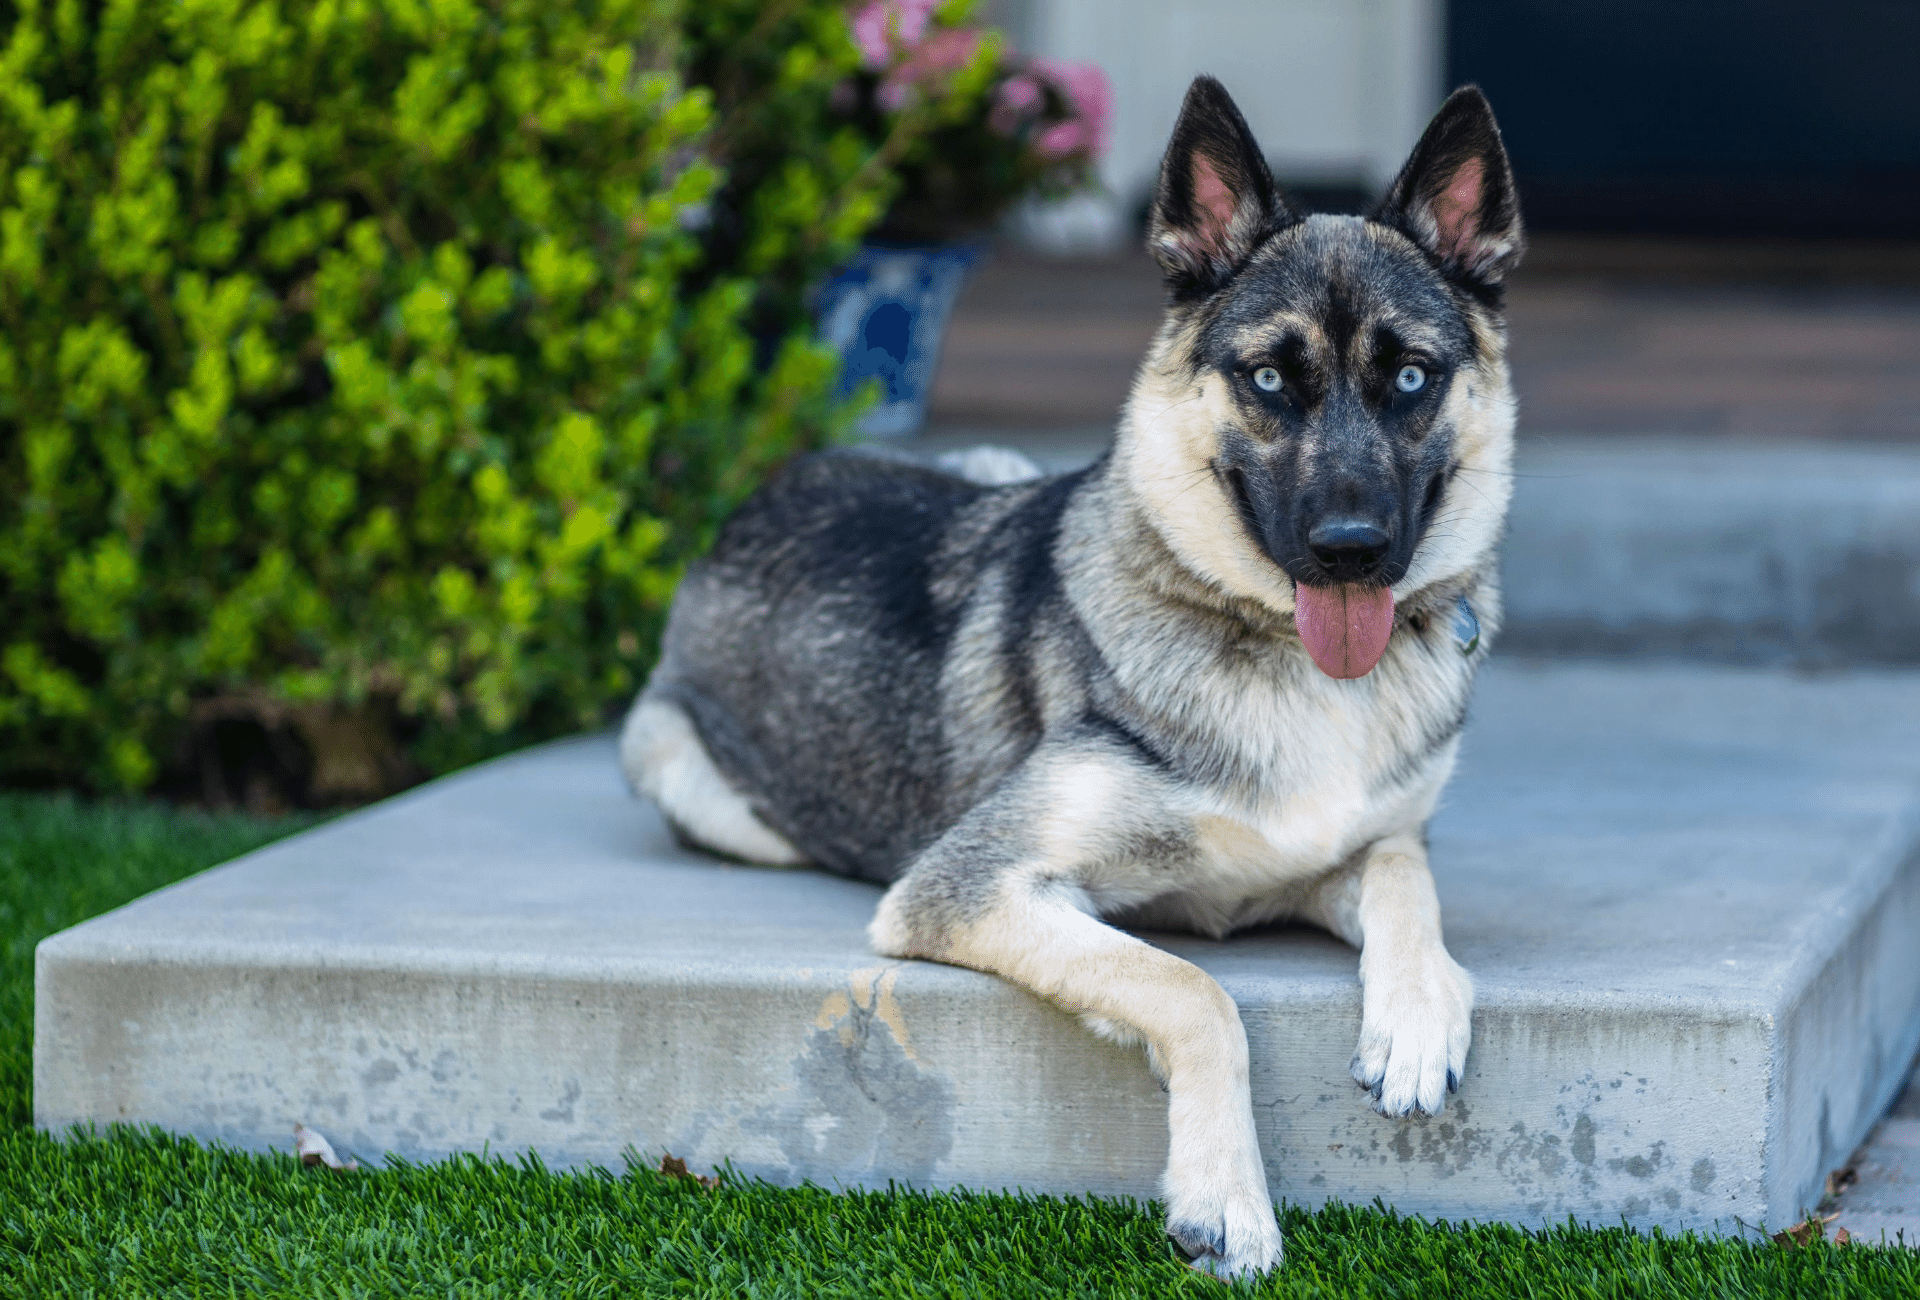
<point>1466,628</point>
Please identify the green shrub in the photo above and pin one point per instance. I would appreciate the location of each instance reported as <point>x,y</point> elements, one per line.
<point>373,367</point>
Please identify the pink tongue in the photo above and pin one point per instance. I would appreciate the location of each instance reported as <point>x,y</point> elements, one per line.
<point>1345,629</point>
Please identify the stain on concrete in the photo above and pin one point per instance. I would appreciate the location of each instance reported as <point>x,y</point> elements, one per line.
<point>1447,1142</point>
<point>1544,1151</point>
<point>863,1105</point>
<point>562,1111</point>
<point>887,1008</point>
<point>1641,1166</point>
<point>834,1007</point>
<point>1703,1174</point>
<point>381,1071</point>
<point>1582,1145</point>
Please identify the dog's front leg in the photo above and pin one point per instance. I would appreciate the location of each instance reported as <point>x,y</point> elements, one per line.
<point>1011,890</point>
<point>1416,1018</point>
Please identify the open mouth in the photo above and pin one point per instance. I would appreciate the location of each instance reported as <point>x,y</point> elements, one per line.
<point>1345,628</point>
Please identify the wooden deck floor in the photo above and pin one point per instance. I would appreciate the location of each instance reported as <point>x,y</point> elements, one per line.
<point>1721,342</point>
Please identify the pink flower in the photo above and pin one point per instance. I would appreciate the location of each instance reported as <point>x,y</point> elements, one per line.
<point>1085,88</point>
<point>895,93</point>
<point>881,27</point>
<point>870,34</point>
<point>946,52</point>
<point>927,65</point>
<point>914,15</point>
<point>1061,140</point>
<point>1014,101</point>
<point>1019,94</point>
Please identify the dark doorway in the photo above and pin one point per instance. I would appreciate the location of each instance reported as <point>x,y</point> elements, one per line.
<point>1704,117</point>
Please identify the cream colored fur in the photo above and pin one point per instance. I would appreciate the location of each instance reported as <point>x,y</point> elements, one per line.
<point>664,760</point>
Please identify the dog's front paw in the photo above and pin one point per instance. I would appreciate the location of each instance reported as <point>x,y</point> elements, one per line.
<point>1415,1028</point>
<point>1229,1236</point>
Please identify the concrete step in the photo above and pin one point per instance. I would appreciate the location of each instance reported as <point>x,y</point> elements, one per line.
<point>1688,895</point>
<point>1787,554</point>
<point>1880,1202</point>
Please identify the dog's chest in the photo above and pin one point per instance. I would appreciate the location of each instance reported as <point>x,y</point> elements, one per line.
<point>1314,772</point>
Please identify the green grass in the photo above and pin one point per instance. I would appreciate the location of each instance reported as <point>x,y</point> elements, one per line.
<point>128,1213</point>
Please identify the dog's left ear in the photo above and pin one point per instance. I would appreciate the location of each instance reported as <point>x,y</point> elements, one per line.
<point>1456,198</point>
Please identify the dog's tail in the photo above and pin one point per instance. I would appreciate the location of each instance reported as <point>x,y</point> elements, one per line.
<point>990,466</point>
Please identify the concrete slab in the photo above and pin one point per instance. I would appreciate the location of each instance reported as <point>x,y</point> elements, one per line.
<point>1883,1204</point>
<point>1790,554</point>
<point>1688,895</point>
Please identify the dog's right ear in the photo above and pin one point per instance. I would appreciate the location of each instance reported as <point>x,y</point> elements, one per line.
<point>1216,200</point>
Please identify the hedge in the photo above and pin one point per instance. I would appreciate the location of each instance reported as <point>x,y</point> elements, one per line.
<point>370,369</point>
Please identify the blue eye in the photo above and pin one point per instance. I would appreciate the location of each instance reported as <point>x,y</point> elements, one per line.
<point>1267,378</point>
<point>1411,379</point>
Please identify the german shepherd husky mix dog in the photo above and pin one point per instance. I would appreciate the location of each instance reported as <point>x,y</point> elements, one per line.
<point>1215,679</point>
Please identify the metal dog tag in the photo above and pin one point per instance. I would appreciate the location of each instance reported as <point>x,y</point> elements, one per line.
<point>1466,628</point>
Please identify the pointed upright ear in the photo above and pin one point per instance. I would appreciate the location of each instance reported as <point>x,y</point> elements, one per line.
<point>1456,198</point>
<point>1215,200</point>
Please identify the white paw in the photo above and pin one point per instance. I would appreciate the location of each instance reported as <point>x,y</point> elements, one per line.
<point>1225,1224</point>
<point>1415,1028</point>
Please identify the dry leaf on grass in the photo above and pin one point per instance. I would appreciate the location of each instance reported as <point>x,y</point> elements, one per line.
<point>674,1167</point>
<point>1813,1229</point>
<point>314,1149</point>
<point>1798,1235</point>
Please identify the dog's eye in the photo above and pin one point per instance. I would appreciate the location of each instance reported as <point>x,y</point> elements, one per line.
<point>1267,378</point>
<point>1411,379</point>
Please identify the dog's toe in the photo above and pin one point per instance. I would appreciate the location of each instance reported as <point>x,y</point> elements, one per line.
<point>1212,1247</point>
<point>1199,1240</point>
<point>1414,1039</point>
<point>1227,1235</point>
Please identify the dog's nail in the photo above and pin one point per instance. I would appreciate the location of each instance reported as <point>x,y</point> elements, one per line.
<point>1453,1082</point>
<point>1205,1246</point>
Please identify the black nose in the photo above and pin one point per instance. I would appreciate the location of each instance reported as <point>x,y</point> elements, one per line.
<point>1348,549</point>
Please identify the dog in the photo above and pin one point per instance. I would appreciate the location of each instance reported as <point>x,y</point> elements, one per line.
<point>1213,680</point>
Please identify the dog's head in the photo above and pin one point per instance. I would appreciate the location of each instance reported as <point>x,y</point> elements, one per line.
<point>1324,422</point>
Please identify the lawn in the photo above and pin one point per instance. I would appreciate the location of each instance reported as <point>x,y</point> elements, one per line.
<point>128,1213</point>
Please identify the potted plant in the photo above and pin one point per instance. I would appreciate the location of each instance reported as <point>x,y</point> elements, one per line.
<point>1005,127</point>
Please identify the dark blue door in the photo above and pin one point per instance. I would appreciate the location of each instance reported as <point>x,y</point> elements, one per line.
<point>1712,117</point>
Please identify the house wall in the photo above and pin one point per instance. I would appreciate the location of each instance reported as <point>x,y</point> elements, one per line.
<point>1335,90</point>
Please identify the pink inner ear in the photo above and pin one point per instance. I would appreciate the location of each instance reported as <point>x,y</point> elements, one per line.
<point>1457,211</point>
<point>1216,204</point>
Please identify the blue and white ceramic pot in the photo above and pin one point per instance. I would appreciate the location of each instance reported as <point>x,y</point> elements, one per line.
<point>887,313</point>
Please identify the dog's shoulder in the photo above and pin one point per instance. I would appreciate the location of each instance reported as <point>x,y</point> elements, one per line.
<point>852,501</point>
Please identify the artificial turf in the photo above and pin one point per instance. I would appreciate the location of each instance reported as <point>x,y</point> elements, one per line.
<point>129,1213</point>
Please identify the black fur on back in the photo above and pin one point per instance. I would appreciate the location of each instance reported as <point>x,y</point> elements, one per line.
<point>808,647</point>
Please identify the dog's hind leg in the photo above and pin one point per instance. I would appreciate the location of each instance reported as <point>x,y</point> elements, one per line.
<point>1012,889</point>
<point>664,760</point>
<point>1416,1019</point>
